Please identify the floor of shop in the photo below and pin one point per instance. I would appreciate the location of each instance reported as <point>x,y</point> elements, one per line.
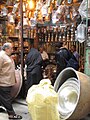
<point>21,108</point>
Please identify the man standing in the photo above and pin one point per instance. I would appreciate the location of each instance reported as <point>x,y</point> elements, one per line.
<point>62,57</point>
<point>75,53</point>
<point>74,61</point>
<point>7,80</point>
<point>33,62</point>
<point>45,56</point>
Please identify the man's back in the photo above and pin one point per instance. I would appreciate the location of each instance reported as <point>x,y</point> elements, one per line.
<point>61,58</point>
<point>33,59</point>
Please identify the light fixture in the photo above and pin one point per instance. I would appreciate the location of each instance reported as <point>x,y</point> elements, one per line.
<point>31,4</point>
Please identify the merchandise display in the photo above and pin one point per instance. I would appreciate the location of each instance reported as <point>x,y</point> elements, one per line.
<point>42,101</point>
<point>49,23</point>
<point>57,22</point>
<point>72,87</point>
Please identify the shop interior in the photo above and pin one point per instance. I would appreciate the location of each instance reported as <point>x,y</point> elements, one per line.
<point>48,22</point>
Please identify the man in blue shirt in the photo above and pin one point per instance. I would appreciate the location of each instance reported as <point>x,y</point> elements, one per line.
<point>33,62</point>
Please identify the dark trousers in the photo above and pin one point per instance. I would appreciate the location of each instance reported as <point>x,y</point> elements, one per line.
<point>59,69</point>
<point>5,99</point>
<point>33,77</point>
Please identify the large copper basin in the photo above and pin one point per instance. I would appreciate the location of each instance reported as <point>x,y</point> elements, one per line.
<point>73,89</point>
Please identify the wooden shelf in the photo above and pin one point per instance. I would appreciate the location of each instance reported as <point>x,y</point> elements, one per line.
<point>13,37</point>
<point>3,18</point>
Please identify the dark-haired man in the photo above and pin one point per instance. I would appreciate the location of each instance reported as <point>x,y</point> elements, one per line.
<point>74,61</point>
<point>62,57</point>
<point>33,62</point>
<point>75,53</point>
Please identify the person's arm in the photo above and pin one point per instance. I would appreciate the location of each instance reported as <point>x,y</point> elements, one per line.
<point>1,62</point>
<point>46,56</point>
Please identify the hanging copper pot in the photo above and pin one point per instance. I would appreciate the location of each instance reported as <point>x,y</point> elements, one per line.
<point>4,11</point>
<point>11,18</point>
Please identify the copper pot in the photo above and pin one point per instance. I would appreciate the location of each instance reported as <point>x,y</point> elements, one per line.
<point>17,87</point>
<point>73,90</point>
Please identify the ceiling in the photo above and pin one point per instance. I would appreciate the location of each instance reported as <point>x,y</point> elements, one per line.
<point>3,1</point>
<point>39,15</point>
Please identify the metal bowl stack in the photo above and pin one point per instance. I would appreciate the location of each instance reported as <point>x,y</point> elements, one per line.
<point>73,91</point>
